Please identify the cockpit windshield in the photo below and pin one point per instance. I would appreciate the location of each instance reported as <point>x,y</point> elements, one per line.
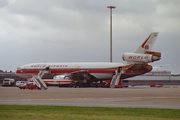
<point>18,68</point>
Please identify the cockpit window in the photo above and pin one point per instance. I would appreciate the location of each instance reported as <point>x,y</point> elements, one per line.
<point>18,68</point>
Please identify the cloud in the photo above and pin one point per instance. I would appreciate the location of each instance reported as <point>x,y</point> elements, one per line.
<point>65,30</point>
<point>3,3</point>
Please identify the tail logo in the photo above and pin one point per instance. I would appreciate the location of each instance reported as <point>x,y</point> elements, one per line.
<point>147,47</point>
<point>146,42</point>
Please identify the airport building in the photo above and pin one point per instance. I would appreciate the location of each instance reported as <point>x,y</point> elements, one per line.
<point>5,74</point>
<point>156,77</point>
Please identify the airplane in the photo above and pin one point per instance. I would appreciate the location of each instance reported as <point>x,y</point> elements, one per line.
<point>88,72</point>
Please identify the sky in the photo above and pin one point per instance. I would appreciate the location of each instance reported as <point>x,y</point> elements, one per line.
<point>78,31</point>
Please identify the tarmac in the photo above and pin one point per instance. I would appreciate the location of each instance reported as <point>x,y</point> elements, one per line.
<point>133,97</point>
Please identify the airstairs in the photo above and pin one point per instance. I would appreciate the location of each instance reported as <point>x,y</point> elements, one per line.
<point>116,78</point>
<point>37,79</point>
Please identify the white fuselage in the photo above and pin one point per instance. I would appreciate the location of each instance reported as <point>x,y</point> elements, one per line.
<point>99,70</point>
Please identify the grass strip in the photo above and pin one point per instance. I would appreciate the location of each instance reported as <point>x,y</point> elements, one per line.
<point>18,112</point>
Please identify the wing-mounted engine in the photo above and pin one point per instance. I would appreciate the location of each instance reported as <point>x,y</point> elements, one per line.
<point>61,77</point>
<point>147,57</point>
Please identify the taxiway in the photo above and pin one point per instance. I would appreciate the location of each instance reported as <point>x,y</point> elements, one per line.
<point>104,97</point>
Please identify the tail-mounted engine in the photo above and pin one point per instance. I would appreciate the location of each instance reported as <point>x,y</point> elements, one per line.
<point>149,56</point>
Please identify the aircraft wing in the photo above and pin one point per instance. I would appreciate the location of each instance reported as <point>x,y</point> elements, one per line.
<point>79,75</point>
<point>142,67</point>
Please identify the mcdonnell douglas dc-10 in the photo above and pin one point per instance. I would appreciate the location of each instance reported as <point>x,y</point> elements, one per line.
<point>88,72</point>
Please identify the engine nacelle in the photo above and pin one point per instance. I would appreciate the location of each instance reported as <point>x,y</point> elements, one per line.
<point>158,54</point>
<point>137,57</point>
<point>61,77</point>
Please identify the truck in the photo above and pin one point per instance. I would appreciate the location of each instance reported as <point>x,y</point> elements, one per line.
<point>8,82</point>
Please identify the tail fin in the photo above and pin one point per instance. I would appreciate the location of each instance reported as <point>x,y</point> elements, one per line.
<point>147,44</point>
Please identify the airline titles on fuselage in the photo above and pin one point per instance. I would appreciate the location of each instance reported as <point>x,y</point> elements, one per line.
<point>63,66</point>
<point>138,57</point>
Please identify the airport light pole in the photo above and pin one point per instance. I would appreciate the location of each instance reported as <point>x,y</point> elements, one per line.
<point>111,7</point>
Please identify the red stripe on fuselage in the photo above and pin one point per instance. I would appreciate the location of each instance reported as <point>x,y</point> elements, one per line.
<point>57,81</point>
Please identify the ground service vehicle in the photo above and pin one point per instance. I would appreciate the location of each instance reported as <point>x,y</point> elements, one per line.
<point>20,83</point>
<point>154,85</point>
<point>29,86</point>
<point>8,82</point>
